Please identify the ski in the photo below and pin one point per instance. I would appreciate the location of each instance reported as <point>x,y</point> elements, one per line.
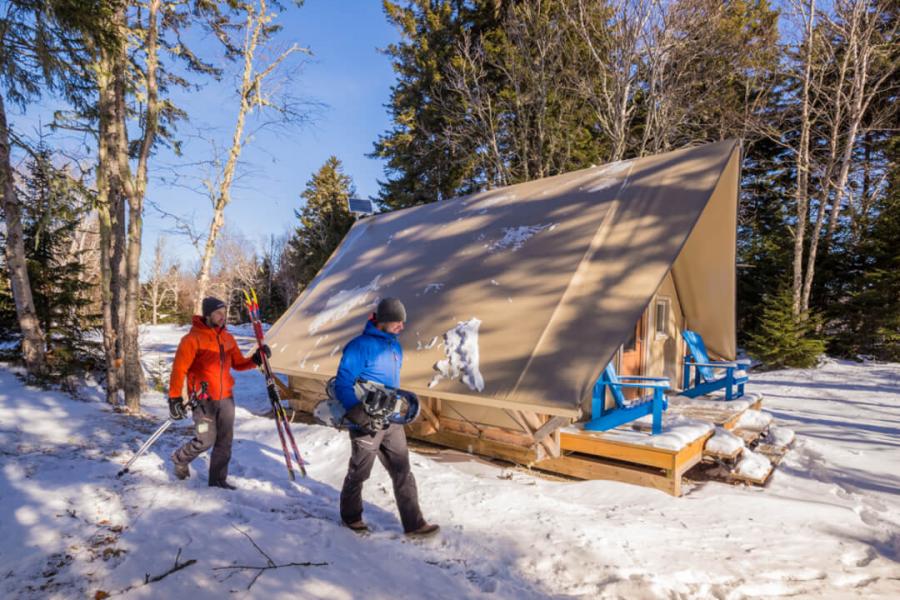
<point>281,420</point>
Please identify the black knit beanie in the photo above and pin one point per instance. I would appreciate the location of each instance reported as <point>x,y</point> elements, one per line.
<point>211,305</point>
<point>389,310</point>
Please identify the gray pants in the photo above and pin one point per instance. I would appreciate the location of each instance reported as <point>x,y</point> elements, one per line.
<point>213,427</point>
<point>390,447</point>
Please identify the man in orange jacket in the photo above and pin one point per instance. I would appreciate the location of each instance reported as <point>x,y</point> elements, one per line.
<point>206,355</point>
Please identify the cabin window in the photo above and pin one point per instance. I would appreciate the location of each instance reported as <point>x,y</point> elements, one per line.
<point>661,318</point>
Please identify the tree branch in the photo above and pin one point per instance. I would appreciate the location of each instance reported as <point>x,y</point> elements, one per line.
<point>271,563</point>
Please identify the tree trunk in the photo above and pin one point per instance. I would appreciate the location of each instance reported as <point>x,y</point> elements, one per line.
<point>134,372</point>
<point>33,341</point>
<point>801,193</point>
<point>106,207</point>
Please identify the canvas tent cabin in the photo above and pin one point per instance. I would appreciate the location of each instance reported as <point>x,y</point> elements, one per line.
<point>518,297</point>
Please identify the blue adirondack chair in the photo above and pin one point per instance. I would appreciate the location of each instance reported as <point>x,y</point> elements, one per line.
<point>705,380</point>
<point>626,410</point>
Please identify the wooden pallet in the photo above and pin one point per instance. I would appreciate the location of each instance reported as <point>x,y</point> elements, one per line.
<point>736,478</point>
<point>774,453</point>
<point>749,436</point>
<point>723,457</point>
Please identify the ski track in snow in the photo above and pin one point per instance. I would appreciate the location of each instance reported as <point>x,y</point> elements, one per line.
<point>826,526</point>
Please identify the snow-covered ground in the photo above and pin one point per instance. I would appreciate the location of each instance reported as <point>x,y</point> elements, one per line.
<point>827,525</point>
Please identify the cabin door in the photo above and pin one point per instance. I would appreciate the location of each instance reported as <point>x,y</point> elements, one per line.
<point>631,362</point>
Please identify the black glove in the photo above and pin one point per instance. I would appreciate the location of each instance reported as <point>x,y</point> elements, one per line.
<point>359,417</point>
<point>176,409</point>
<point>256,356</point>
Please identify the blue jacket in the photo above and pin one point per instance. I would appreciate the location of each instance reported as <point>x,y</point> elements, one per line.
<point>374,356</point>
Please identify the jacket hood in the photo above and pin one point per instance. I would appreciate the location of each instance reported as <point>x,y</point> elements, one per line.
<point>372,329</point>
<point>199,322</point>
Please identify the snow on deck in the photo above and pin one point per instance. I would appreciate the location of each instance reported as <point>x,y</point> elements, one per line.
<point>826,526</point>
<point>678,432</point>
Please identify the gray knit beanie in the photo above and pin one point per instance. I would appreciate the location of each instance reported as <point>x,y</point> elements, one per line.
<point>390,309</point>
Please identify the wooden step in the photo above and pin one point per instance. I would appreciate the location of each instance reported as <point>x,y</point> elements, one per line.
<point>774,453</point>
<point>723,457</point>
<point>749,436</point>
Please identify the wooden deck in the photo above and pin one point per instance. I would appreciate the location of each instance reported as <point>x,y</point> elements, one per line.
<point>623,454</point>
<point>628,453</point>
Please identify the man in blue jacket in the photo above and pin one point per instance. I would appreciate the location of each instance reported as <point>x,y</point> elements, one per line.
<point>376,356</point>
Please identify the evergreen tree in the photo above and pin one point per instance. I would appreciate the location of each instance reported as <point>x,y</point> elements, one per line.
<point>55,206</point>
<point>867,316</point>
<point>420,167</point>
<point>783,340</point>
<point>324,221</point>
<point>764,240</point>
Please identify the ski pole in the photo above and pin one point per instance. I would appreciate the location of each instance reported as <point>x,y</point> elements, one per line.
<point>193,404</point>
<point>146,446</point>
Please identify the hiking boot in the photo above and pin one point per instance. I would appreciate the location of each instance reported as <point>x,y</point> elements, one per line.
<point>424,531</point>
<point>358,526</point>
<point>180,469</point>
<point>222,484</point>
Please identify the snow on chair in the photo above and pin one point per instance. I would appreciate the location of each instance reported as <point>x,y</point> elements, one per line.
<point>626,410</point>
<point>705,378</point>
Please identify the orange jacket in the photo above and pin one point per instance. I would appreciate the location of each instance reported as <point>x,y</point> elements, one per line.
<point>207,354</point>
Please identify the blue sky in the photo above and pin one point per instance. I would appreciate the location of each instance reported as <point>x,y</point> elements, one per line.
<point>346,74</point>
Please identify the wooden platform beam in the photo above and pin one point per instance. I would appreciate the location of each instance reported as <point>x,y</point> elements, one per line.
<point>485,447</point>
<point>596,468</point>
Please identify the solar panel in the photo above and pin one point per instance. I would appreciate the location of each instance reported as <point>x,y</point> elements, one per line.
<point>361,205</point>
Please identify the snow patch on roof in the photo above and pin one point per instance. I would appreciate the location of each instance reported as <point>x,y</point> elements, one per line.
<point>603,184</point>
<point>429,345</point>
<point>609,176</point>
<point>461,356</point>
<point>339,305</point>
<point>515,237</point>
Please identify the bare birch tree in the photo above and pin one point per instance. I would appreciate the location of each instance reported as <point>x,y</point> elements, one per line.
<point>253,96</point>
<point>163,284</point>
<point>859,63</point>
<point>614,36</point>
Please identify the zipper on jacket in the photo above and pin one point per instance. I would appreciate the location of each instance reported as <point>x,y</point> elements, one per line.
<point>221,364</point>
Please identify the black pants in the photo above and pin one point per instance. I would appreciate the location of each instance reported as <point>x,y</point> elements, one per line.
<point>213,427</point>
<point>390,448</point>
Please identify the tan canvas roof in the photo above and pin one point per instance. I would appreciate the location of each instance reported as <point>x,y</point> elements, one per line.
<point>556,272</point>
